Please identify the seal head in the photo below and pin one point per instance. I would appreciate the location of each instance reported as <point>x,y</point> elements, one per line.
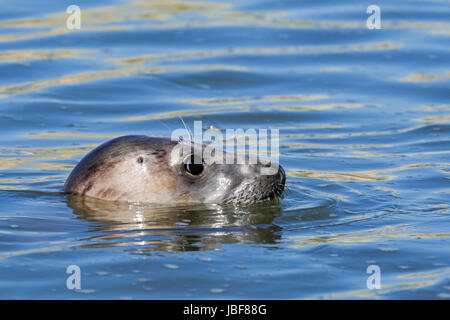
<point>155,170</point>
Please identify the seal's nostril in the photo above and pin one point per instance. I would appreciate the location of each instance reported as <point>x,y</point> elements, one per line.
<point>266,165</point>
<point>282,175</point>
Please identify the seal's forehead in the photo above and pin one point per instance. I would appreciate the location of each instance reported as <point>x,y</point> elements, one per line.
<point>140,142</point>
<point>124,146</point>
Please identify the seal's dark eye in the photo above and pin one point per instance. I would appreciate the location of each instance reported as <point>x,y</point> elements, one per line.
<point>193,168</point>
<point>140,160</point>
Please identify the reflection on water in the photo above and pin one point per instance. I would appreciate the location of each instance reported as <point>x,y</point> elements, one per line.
<point>364,138</point>
<point>193,55</point>
<point>99,75</point>
<point>181,228</point>
<point>427,77</point>
<point>391,231</point>
<point>40,54</point>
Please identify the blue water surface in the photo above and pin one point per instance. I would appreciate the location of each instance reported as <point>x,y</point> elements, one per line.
<point>363,116</point>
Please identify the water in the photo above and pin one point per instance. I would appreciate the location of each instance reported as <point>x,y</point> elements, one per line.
<point>364,127</point>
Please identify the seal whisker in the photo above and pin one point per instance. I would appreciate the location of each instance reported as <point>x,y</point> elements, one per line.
<point>187,128</point>
<point>165,125</point>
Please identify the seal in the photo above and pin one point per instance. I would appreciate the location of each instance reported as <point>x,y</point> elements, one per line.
<point>154,170</point>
